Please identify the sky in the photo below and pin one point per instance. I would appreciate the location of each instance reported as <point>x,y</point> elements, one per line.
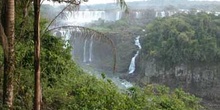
<point>112,1</point>
<point>203,0</point>
<point>98,1</point>
<point>107,1</point>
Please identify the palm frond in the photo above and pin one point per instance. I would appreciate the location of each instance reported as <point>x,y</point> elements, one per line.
<point>88,32</point>
<point>60,13</point>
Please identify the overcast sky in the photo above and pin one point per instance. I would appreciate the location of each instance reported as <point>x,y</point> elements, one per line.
<point>107,1</point>
<point>111,1</point>
<point>98,1</point>
<point>203,0</point>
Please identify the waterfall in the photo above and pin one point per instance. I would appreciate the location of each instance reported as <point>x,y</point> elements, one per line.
<point>67,36</point>
<point>84,51</point>
<point>83,17</point>
<point>217,13</point>
<point>156,15</point>
<point>170,13</point>
<point>118,15</point>
<point>90,48</point>
<point>137,43</point>
<point>132,64</point>
<point>137,14</point>
<point>163,14</point>
<point>131,68</point>
<point>62,32</point>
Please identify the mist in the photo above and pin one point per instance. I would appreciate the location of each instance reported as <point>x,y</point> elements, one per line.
<point>143,48</point>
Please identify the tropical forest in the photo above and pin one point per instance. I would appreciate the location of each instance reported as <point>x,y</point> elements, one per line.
<point>109,55</point>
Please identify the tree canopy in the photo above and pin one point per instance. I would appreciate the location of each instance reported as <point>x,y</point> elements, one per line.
<point>184,39</point>
<point>65,86</point>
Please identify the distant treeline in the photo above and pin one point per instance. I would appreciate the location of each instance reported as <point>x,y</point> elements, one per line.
<point>159,4</point>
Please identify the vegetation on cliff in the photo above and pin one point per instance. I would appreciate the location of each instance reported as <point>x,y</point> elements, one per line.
<point>66,87</point>
<point>184,39</point>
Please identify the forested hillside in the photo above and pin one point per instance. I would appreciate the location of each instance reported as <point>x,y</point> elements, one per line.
<point>180,51</point>
<point>64,85</point>
<point>184,39</point>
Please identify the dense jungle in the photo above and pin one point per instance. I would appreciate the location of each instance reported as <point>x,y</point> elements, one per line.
<point>123,55</point>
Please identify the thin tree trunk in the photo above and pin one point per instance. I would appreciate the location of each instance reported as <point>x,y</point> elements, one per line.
<point>37,94</point>
<point>8,41</point>
<point>24,17</point>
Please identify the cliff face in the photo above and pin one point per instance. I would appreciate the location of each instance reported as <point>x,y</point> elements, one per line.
<point>203,80</point>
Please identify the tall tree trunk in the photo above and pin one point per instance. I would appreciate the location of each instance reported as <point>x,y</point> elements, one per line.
<point>37,97</point>
<point>8,41</point>
<point>25,8</point>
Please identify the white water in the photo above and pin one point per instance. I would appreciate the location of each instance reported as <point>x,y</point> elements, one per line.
<point>67,37</point>
<point>132,64</point>
<point>131,68</point>
<point>118,16</point>
<point>137,43</point>
<point>88,56</point>
<point>90,49</point>
<point>137,14</point>
<point>81,18</point>
<point>163,14</point>
<point>156,15</point>
<point>87,51</point>
<point>64,34</point>
<point>84,51</point>
<point>120,83</point>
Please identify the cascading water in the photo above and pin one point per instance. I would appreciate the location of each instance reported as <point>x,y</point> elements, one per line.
<point>88,44</point>
<point>137,43</point>
<point>137,14</point>
<point>131,68</point>
<point>64,34</point>
<point>163,14</point>
<point>84,50</point>
<point>88,56</point>
<point>118,15</point>
<point>67,37</point>
<point>90,48</point>
<point>156,15</point>
<point>81,18</point>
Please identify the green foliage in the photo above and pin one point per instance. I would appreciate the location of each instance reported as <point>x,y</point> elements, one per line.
<point>183,39</point>
<point>155,97</point>
<point>118,26</point>
<point>66,87</point>
<point>84,92</point>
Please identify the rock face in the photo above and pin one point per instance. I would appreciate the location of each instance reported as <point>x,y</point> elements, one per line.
<point>203,80</point>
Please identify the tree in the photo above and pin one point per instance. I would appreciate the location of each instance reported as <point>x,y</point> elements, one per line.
<point>183,39</point>
<point>121,3</point>
<point>37,96</point>
<point>71,90</point>
<point>37,93</point>
<point>7,32</point>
